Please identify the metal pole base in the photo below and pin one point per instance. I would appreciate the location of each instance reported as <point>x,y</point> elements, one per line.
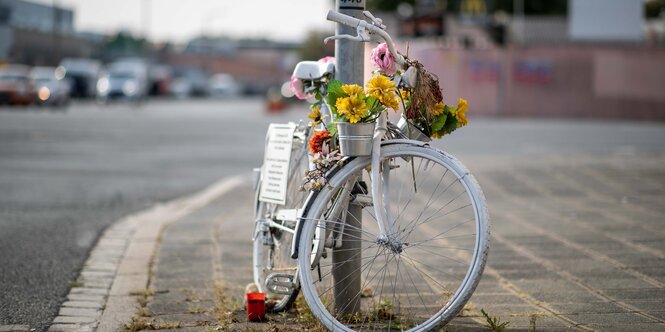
<point>346,264</point>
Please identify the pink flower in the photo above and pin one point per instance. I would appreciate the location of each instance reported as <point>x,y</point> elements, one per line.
<point>298,88</point>
<point>327,59</point>
<point>383,59</point>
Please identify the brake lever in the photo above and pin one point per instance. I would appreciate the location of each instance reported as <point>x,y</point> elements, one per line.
<point>362,36</point>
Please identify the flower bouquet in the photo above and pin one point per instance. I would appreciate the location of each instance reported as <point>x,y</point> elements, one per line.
<point>420,96</point>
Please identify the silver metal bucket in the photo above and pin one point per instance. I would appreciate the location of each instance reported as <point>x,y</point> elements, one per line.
<point>355,139</point>
<point>411,131</point>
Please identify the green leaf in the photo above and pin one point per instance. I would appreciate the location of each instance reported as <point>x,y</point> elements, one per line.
<point>373,105</point>
<point>332,128</point>
<point>370,101</point>
<point>334,91</point>
<point>450,109</point>
<point>335,87</point>
<point>450,125</point>
<point>439,123</point>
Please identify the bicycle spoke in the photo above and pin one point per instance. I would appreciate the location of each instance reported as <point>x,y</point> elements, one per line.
<point>410,260</point>
<point>437,254</point>
<point>415,220</point>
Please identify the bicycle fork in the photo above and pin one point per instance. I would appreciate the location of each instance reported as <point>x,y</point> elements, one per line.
<point>380,184</point>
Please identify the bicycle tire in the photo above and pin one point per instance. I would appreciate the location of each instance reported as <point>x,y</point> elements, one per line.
<point>272,246</point>
<point>453,253</point>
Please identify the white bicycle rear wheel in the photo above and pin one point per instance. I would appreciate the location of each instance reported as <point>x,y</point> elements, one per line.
<point>423,273</point>
<point>272,245</point>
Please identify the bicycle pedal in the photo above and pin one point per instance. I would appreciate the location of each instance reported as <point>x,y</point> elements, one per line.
<point>280,283</point>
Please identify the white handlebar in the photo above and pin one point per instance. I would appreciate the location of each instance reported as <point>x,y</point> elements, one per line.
<point>362,24</point>
<point>343,19</point>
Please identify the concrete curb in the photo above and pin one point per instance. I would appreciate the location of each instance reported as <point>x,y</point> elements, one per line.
<point>118,268</point>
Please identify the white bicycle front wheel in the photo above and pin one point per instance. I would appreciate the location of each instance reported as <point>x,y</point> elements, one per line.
<point>420,273</point>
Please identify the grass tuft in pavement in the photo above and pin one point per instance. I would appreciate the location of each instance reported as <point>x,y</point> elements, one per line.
<point>144,312</point>
<point>494,323</point>
<point>226,307</point>
<point>305,317</point>
<point>140,324</point>
<point>143,292</point>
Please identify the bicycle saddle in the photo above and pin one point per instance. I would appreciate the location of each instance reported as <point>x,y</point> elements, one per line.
<point>313,70</point>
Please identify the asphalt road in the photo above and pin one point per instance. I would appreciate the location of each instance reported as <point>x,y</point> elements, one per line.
<point>65,176</point>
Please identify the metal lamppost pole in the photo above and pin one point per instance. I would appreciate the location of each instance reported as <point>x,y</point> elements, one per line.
<point>350,56</point>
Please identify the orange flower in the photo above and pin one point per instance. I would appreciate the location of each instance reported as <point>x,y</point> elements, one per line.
<point>317,140</point>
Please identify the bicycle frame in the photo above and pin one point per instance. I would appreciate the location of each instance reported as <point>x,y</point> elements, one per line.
<point>379,199</point>
<point>384,217</point>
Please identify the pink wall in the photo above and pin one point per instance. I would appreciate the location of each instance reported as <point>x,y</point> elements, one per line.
<point>553,81</point>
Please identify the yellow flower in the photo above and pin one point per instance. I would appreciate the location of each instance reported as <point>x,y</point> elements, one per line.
<point>390,100</point>
<point>379,85</point>
<point>342,104</point>
<point>352,89</point>
<point>438,109</point>
<point>383,89</point>
<point>439,134</point>
<point>353,108</point>
<point>460,114</point>
<point>406,94</point>
<point>315,116</point>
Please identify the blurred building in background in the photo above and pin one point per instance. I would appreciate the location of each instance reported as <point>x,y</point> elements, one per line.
<point>33,16</point>
<point>38,34</point>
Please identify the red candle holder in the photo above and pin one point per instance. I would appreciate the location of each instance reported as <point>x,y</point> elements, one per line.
<point>256,306</point>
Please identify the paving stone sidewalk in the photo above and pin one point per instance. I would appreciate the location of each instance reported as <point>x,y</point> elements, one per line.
<point>577,244</point>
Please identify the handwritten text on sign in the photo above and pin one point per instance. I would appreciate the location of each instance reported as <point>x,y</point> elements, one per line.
<point>276,163</point>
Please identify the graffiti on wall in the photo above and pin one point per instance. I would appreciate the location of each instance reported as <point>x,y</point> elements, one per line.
<point>484,70</point>
<point>532,72</point>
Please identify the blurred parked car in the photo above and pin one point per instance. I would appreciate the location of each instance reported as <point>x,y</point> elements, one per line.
<point>15,85</point>
<point>189,81</point>
<point>223,85</point>
<point>160,80</point>
<point>82,75</point>
<point>124,80</point>
<point>50,86</point>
